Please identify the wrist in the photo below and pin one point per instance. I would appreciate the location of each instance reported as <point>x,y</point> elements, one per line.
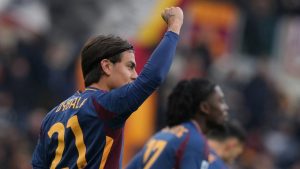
<point>175,27</point>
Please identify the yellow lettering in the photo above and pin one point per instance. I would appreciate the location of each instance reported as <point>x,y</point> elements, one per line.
<point>67,105</point>
<point>60,130</point>
<point>77,102</point>
<point>59,107</point>
<point>79,142</point>
<point>154,147</point>
<point>180,131</point>
<point>71,103</point>
<point>108,144</point>
<point>83,102</point>
<point>177,130</point>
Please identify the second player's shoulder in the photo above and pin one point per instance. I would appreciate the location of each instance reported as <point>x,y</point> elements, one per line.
<point>197,141</point>
<point>177,132</point>
<point>170,137</point>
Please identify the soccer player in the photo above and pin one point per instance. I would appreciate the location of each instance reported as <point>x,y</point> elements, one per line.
<point>192,107</point>
<point>86,130</point>
<point>226,143</point>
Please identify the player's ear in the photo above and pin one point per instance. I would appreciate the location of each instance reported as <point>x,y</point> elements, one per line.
<point>106,66</point>
<point>204,107</point>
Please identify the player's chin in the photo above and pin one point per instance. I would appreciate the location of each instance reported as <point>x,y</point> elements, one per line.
<point>222,120</point>
<point>124,83</point>
<point>130,82</point>
<point>215,123</point>
<point>224,117</point>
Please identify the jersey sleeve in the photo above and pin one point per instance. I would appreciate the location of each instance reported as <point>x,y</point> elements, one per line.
<point>39,154</point>
<point>128,98</point>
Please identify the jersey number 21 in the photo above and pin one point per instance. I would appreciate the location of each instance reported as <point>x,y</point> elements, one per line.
<point>73,123</point>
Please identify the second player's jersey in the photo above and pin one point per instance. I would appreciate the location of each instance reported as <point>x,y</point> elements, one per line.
<point>215,162</point>
<point>180,147</point>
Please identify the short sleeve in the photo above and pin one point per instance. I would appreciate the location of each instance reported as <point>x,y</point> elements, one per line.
<point>39,154</point>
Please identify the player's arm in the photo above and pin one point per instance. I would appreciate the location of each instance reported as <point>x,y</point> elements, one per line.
<point>129,97</point>
<point>39,154</point>
<point>37,158</point>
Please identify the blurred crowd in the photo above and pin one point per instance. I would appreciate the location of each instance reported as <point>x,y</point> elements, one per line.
<point>40,42</point>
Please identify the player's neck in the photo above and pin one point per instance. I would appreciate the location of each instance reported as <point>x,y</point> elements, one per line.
<point>200,119</point>
<point>100,86</point>
<point>197,125</point>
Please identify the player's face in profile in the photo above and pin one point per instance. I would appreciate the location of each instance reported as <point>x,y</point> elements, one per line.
<point>124,72</point>
<point>234,148</point>
<point>217,106</point>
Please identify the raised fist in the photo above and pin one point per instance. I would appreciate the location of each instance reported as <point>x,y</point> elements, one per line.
<point>173,16</point>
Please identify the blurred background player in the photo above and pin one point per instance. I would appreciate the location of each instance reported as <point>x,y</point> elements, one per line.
<point>226,143</point>
<point>86,130</point>
<point>192,107</point>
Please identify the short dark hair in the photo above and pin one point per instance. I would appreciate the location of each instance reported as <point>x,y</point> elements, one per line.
<point>184,100</point>
<point>231,128</point>
<point>101,47</point>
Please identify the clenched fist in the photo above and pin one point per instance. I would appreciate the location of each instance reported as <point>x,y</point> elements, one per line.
<point>173,16</point>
